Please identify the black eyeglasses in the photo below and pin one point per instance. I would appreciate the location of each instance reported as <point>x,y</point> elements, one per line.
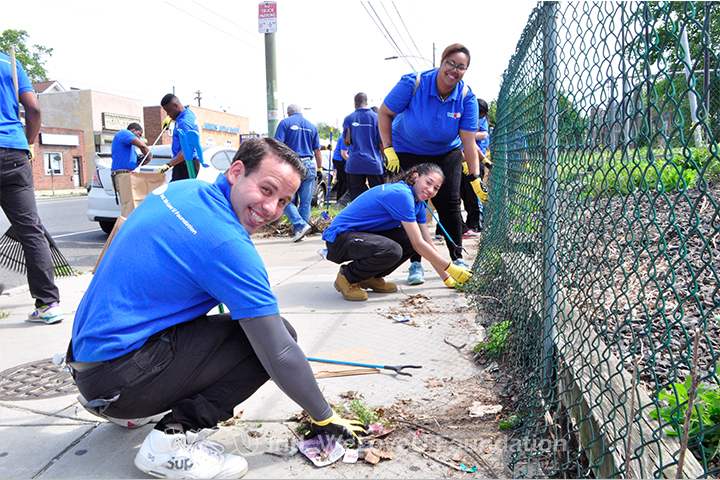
<point>451,66</point>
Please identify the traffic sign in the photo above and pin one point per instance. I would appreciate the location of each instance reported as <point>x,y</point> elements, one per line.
<point>267,17</point>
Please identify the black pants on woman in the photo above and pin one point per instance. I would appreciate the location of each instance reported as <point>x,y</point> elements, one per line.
<point>371,254</point>
<point>447,200</point>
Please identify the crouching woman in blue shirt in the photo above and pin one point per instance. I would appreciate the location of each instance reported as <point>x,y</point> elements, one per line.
<point>381,229</point>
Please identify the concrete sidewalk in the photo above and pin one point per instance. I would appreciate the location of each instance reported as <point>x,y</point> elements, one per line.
<point>54,437</point>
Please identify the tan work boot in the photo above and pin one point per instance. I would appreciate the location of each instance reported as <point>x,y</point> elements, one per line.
<point>350,291</point>
<point>379,285</point>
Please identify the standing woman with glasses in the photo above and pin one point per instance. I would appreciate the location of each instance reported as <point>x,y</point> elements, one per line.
<point>432,116</point>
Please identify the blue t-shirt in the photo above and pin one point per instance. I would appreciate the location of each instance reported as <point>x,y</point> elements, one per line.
<point>124,156</point>
<point>483,127</point>
<point>383,207</point>
<point>179,254</point>
<point>424,124</point>
<point>337,153</point>
<point>12,133</point>
<point>299,134</point>
<point>364,155</point>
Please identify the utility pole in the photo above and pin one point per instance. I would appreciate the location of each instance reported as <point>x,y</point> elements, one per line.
<point>267,24</point>
<point>198,97</point>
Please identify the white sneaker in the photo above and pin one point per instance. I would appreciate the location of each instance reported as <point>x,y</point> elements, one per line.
<point>165,455</point>
<point>47,314</point>
<point>123,422</point>
<point>301,233</point>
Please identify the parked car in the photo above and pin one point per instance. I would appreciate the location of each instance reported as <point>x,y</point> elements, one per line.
<point>104,207</point>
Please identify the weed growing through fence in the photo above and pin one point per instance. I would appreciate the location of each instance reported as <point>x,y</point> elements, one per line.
<point>497,340</point>
<point>705,415</point>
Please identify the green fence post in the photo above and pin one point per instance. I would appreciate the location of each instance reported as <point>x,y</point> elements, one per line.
<point>550,187</point>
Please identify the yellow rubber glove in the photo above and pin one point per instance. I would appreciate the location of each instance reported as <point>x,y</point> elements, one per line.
<point>31,153</point>
<point>460,274</point>
<point>466,169</point>
<point>393,160</point>
<point>479,189</point>
<point>166,122</point>
<point>164,168</point>
<point>449,282</point>
<point>487,160</point>
<point>336,426</point>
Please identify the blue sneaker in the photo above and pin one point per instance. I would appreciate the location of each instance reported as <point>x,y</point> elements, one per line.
<point>417,274</point>
<point>461,263</point>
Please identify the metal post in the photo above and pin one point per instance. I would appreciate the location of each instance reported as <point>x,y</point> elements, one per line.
<point>271,84</point>
<point>689,75</point>
<point>550,182</point>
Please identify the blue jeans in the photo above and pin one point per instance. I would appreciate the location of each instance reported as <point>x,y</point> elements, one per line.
<point>299,217</point>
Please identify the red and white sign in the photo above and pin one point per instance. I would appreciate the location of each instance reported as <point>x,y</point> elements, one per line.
<point>267,17</point>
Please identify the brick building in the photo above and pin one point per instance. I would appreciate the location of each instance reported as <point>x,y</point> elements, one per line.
<point>59,161</point>
<point>216,128</point>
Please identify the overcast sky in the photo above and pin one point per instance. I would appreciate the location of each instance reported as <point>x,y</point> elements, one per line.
<point>327,51</point>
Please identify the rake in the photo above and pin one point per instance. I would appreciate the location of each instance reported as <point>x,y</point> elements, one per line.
<point>12,255</point>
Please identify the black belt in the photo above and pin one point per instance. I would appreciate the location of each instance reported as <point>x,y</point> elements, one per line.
<point>83,366</point>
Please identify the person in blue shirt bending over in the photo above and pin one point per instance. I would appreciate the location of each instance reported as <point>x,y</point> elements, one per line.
<point>185,121</point>
<point>124,155</point>
<point>365,159</point>
<point>430,117</point>
<point>381,229</point>
<point>302,136</point>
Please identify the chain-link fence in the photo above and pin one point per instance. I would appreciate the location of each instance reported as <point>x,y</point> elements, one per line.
<point>600,253</point>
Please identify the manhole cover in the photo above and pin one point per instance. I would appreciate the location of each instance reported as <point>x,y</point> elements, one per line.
<point>35,380</point>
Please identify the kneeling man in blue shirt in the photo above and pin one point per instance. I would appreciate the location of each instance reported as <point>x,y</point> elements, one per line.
<point>143,344</point>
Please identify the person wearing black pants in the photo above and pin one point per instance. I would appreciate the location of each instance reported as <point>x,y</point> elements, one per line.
<point>431,116</point>
<point>17,194</point>
<point>381,229</point>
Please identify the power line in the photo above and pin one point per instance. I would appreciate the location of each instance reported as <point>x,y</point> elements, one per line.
<point>408,31</point>
<point>392,42</point>
<point>396,29</point>
<point>214,26</point>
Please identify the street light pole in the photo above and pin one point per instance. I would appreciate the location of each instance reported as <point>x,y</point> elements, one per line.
<point>395,57</point>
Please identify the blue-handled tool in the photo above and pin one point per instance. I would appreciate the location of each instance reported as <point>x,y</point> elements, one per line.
<point>397,368</point>
<point>443,228</point>
<point>190,143</point>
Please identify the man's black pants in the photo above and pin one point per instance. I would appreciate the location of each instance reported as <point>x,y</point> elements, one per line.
<point>200,370</point>
<point>373,254</point>
<point>17,199</point>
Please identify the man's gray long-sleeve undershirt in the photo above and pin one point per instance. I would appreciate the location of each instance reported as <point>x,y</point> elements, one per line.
<point>286,363</point>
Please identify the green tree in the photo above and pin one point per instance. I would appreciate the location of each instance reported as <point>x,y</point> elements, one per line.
<point>492,112</point>
<point>30,58</point>
<point>324,131</point>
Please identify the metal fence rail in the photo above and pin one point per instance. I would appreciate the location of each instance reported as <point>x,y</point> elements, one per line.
<point>600,245</point>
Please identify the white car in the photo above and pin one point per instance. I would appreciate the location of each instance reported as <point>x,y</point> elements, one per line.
<point>104,206</point>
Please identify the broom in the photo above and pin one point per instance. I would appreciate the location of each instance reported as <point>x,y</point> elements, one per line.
<point>12,255</point>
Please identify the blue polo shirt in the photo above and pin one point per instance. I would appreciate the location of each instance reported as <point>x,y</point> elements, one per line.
<point>483,127</point>
<point>383,207</point>
<point>299,134</point>
<point>180,253</point>
<point>12,132</point>
<point>337,153</point>
<point>424,124</point>
<point>364,156</point>
<point>124,156</point>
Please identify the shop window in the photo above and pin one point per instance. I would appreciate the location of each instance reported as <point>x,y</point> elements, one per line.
<point>53,163</point>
